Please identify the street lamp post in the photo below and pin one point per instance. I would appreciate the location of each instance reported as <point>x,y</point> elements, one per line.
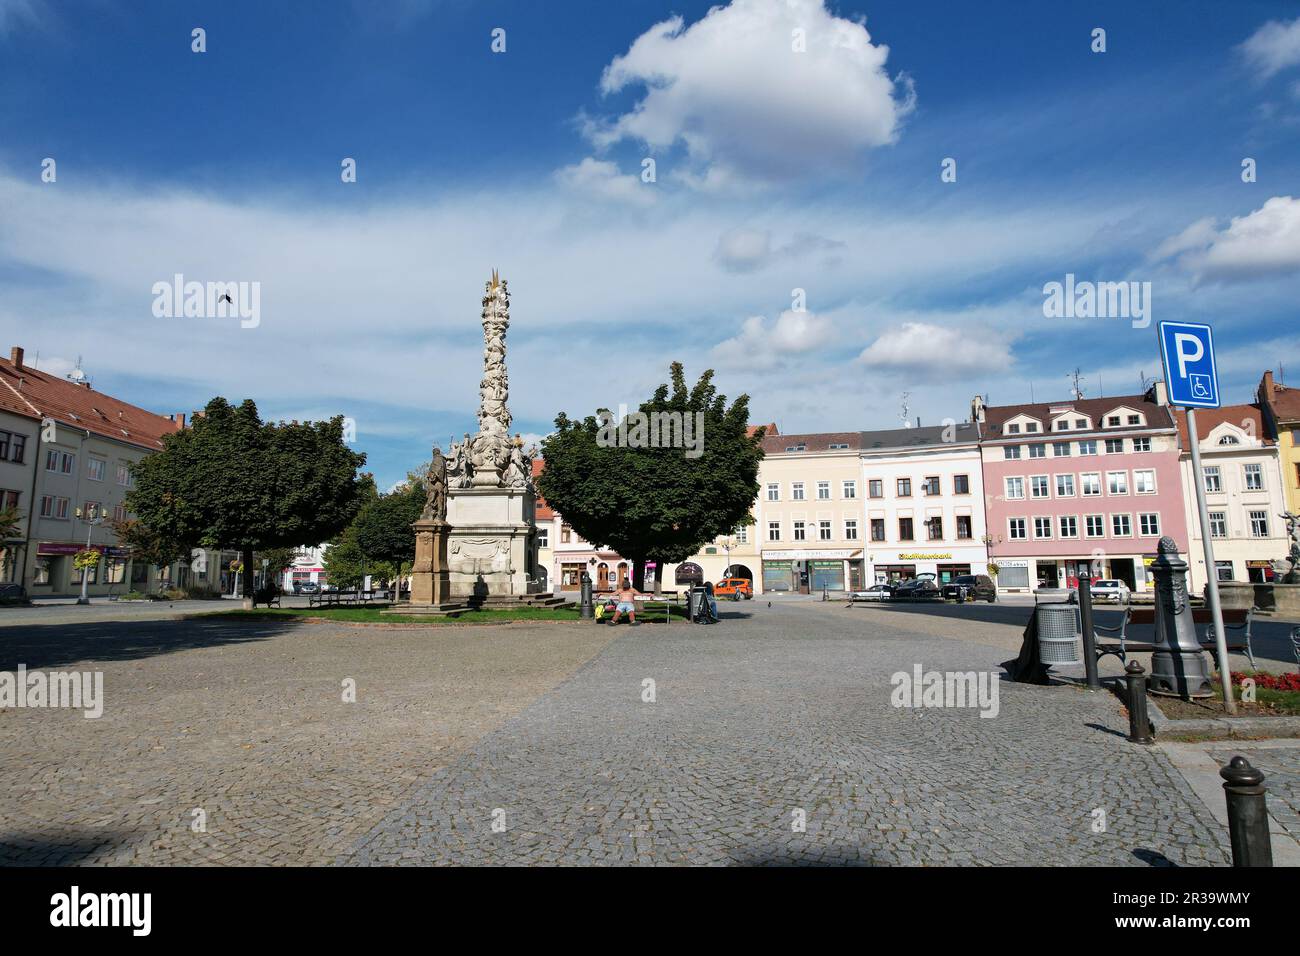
<point>93,517</point>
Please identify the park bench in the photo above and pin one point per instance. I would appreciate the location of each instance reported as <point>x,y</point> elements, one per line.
<point>345,597</point>
<point>1234,620</point>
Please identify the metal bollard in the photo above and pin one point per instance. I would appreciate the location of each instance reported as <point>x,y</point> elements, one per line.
<point>1139,727</point>
<point>1247,813</point>
<point>1089,635</point>
<point>587,611</point>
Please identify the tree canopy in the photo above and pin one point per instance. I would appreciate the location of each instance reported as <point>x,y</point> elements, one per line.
<point>233,481</point>
<point>619,486</point>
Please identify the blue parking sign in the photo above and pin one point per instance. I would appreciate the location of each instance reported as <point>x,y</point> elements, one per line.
<point>1188,353</point>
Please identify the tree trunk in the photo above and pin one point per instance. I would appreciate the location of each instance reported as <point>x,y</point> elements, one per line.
<point>638,573</point>
<point>659,577</point>
<point>246,575</point>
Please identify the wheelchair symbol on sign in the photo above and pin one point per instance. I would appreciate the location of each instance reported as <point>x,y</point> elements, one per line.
<point>1201,387</point>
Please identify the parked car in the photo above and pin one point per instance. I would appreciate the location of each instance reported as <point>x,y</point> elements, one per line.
<point>1109,589</point>
<point>734,588</point>
<point>877,592</point>
<point>920,588</point>
<point>970,587</point>
<point>309,587</point>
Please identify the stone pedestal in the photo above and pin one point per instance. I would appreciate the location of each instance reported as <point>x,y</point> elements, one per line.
<point>430,579</point>
<point>491,547</point>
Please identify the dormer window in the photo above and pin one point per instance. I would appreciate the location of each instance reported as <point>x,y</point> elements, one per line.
<point>1229,440</point>
<point>1112,421</point>
<point>799,447</point>
<point>1135,419</point>
<point>1013,429</point>
<point>1031,426</point>
<point>1080,423</point>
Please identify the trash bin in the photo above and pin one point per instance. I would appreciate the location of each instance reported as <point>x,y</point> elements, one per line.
<point>695,599</point>
<point>1059,638</point>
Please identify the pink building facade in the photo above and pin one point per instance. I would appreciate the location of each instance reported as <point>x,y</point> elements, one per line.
<point>1079,487</point>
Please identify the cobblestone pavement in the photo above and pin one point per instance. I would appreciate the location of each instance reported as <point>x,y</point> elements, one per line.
<point>1281,768</point>
<point>781,714</point>
<point>245,721</point>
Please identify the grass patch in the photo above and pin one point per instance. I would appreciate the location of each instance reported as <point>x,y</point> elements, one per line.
<point>1268,703</point>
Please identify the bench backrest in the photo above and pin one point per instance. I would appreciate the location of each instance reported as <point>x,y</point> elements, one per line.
<point>1200,615</point>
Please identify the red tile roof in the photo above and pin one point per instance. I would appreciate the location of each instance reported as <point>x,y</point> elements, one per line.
<point>34,394</point>
<point>1157,416</point>
<point>1284,400</point>
<point>768,429</point>
<point>1248,417</point>
<point>544,511</point>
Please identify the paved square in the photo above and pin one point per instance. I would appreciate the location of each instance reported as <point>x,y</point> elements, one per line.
<point>777,713</point>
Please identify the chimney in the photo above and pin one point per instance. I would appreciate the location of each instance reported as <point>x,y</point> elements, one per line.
<point>180,419</point>
<point>16,357</point>
<point>1160,392</point>
<point>1264,395</point>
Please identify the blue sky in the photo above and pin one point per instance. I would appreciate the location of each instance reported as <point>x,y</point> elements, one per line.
<point>775,170</point>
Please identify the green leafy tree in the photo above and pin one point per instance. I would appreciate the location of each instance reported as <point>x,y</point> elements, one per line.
<point>10,527</point>
<point>148,546</point>
<point>655,503</point>
<point>234,481</point>
<point>383,532</point>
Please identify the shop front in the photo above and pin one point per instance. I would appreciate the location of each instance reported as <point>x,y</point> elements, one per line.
<point>806,570</point>
<point>891,567</point>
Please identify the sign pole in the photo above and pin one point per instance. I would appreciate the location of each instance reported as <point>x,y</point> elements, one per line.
<point>1212,588</point>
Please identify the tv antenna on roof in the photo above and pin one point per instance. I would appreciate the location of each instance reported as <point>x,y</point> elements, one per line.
<point>78,374</point>
<point>1076,390</point>
<point>906,421</point>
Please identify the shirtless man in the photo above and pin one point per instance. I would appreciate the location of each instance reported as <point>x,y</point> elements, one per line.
<point>626,595</point>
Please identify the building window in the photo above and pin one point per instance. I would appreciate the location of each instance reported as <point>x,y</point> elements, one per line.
<point>12,447</point>
<point>904,487</point>
<point>1213,480</point>
<point>1011,451</point>
<point>1135,419</point>
<point>1141,444</point>
<point>876,488</point>
<point>1069,525</point>
<point>1144,482</point>
<point>9,499</point>
<point>60,461</point>
<point>1016,529</point>
<point>95,468</point>
<point>1015,488</point>
<point>566,534</point>
<point>773,491</point>
<point>42,571</point>
<point>1114,446</point>
<point>930,487</point>
<point>1117,482</point>
<point>877,529</point>
<point>1038,487</point>
<point>1042,527</point>
<point>963,527</point>
<point>796,491</point>
<point>823,530</point>
<point>961,484</point>
<point>742,534</point>
<point>1013,429</point>
<point>119,513</point>
<point>799,531</point>
<point>1121,526</point>
<point>1149,524</point>
<point>934,529</point>
<point>543,537</point>
<point>904,529</point>
<point>774,531</point>
<point>1218,524</point>
<point>1090,484</point>
<point>1094,526</point>
<point>1112,421</point>
<point>1061,449</point>
<point>1038,451</point>
<point>838,445</point>
<point>823,491</point>
<point>1031,426</point>
<point>1088,447</point>
<point>123,474</point>
<point>1254,477</point>
<point>1065,486</point>
<point>1259,524</point>
<point>851,529</point>
<point>849,489</point>
<point>55,507</point>
<point>794,448</point>
<point>1223,570</point>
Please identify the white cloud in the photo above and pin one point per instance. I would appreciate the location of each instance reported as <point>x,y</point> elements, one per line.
<point>602,179</point>
<point>938,351</point>
<point>15,12</point>
<point>1263,244</point>
<point>763,345</point>
<point>1274,47</point>
<point>732,89</point>
<point>748,249</point>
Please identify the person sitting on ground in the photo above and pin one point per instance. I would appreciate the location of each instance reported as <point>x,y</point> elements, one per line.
<point>626,595</point>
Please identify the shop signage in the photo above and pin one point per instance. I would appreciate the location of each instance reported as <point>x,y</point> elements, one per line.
<point>926,556</point>
<point>802,555</point>
<point>58,549</point>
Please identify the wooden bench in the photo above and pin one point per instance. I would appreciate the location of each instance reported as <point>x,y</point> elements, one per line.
<point>1234,619</point>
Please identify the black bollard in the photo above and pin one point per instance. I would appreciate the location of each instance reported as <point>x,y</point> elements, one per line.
<point>1089,635</point>
<point>587,610</point>
<point>1139,727</point>
<point>1247,813</point>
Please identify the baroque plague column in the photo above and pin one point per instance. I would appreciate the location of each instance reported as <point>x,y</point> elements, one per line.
<point>491,503</point>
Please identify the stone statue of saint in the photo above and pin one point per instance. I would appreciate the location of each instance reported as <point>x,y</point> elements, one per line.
<point>518,468</point>
<point>1292,575</point>
<point>435,487</point>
